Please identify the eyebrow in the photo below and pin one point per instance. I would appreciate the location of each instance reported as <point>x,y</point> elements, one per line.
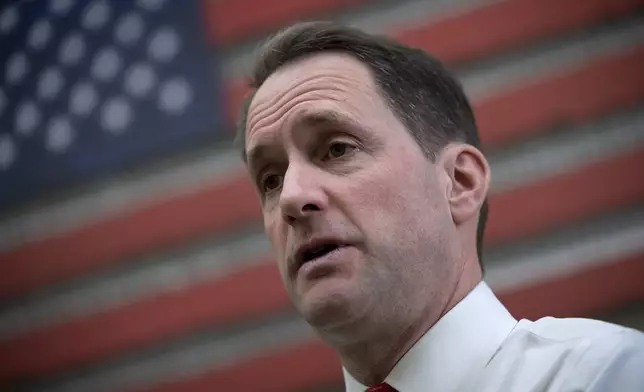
<point>317,119</point>
<point>256,154</point>
<point>323,119</point>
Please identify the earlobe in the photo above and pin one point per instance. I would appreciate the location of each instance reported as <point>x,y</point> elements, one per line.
<point>469,176</point>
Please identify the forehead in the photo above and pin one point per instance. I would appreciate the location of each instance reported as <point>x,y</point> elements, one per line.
<point>325,81</point>
<point>330,67</point>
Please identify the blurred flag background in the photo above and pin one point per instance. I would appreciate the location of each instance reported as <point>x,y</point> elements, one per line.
<point>131,251</point>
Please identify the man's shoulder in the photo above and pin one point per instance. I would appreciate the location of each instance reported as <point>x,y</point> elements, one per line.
<point>596,351</point>
<point>590,338</point>
<point>572,329</point>
<point>569,354</point>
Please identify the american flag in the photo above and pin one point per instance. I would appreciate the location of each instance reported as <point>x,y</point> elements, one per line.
<point>89,87</point>
<point>131,247</point>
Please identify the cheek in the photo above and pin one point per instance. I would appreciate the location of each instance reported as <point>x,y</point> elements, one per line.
<point>277,238</point>
<point>398,204</point>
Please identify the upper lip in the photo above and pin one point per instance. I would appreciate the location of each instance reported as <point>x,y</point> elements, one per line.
<point>298,256</point>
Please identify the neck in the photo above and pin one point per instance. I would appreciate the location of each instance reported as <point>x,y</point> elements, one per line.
<point>372,358</point>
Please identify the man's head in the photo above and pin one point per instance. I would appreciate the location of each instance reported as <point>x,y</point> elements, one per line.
<point>365,156</point>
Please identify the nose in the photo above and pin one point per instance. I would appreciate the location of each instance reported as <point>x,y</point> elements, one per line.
<point>302,195</point>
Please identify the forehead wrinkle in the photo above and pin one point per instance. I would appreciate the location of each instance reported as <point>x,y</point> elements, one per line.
<point>263,141</point>
<point>282,116</point>
<point>291,99</point>
<point>276,105</point>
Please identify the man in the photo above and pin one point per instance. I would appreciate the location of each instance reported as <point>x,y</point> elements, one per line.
<point>365,157</point>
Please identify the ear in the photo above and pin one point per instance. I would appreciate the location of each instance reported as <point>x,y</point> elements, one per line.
<point>468,180</point>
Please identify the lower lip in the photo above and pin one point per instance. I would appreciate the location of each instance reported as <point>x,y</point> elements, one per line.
<point>324,265</point>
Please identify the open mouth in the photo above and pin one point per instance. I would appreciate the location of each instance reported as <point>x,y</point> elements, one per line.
<point>317,252</point>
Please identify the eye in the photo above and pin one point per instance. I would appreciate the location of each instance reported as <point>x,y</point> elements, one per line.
<point>337,150</point>
<point>271,182</point>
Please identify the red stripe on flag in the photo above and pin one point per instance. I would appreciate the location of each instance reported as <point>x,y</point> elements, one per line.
<point>231,20</point>
<point>258,291</point>
<point>295,368</point>
<point>566,198</point>
<point>225,204</point>
<point>582,294</point>
<point>504,25</point>
<point>252,291</point>
<point>482,30</point>
<point>612,83</point>
<point>214,208</point>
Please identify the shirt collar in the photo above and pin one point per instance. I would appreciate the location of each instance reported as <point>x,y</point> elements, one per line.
<point>461,343</point>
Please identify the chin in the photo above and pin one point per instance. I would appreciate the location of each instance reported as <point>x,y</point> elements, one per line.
<point>331,303</point>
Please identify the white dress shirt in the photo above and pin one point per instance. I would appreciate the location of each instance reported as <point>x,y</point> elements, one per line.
<point>479,346</point>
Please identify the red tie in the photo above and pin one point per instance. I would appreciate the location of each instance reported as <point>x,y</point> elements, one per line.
<point>381,388</point>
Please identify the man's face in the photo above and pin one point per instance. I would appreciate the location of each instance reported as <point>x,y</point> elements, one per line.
<point>356,214</point>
